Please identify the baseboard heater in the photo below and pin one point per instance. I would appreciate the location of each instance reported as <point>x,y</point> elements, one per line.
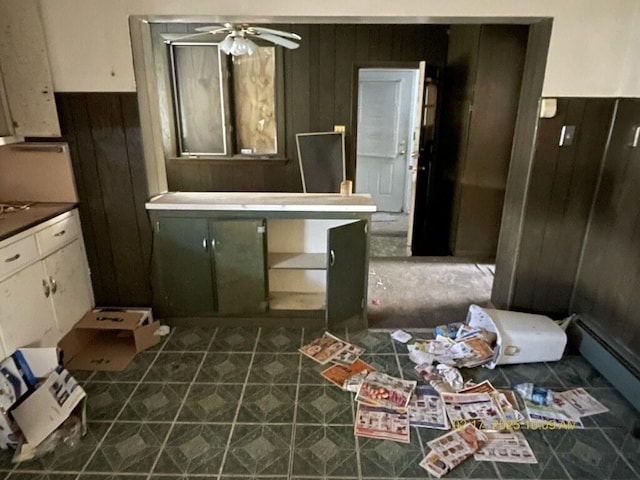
<point>618,371</point>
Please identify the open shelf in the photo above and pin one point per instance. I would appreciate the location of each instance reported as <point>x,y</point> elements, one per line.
<point>297,300</point>
<point>306,261</point>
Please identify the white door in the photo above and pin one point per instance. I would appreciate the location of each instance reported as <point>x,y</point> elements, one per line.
<point>68,277</point>
<point>387,101</point>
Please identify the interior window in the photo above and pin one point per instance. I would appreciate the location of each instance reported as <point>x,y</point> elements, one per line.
<point>223,105</point>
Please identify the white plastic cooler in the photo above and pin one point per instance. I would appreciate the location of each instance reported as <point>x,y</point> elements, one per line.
<point>522,337</point>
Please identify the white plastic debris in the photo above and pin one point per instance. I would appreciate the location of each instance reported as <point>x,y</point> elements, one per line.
<point>162,330</point>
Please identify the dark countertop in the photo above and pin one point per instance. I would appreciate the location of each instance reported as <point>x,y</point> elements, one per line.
<point>16,222</point>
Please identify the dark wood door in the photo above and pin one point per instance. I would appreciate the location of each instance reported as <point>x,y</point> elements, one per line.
<point>346,272</point>
<point>239,260</point>
<point>183,268</point>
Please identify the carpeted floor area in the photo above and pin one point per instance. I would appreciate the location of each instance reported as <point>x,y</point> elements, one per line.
<point>425,291</point>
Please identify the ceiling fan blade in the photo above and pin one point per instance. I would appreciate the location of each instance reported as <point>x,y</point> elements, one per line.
<point>213,29</point>
<point>186,37</point>
<point>280,33</point>
<point>278,40</point>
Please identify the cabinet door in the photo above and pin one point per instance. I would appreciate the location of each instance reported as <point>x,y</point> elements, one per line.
<point>26,312</point>
<point>240,269</point>
<point>68,278</point>
<point>347,272</point>
<point>25,67</point>
<point>183,268</point>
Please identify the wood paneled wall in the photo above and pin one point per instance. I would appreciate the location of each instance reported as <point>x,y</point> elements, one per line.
<point>560,193</point>
<point>103,132</point>
<point>608,282</point>
<point>319,78</point>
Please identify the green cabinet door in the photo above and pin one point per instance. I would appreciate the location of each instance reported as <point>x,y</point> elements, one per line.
<point>183,268</point>
<point>239,263</point>
<point>346,272</point>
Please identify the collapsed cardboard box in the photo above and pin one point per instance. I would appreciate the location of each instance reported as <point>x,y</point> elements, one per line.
<point>34,407</point>
<point>108,339</point>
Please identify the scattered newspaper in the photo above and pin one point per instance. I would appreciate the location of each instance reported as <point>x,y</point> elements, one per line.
<point>339,374</point>
<point>456,446</point>
<point>382,390</point>
<point>348,355</point>
<point>426,409</point>
<point>381,423</point>
<point>433,464</point>
<point>401,336</point>
<point>582,402</point>
<point>506,447</point>
<point>324,349</point>
<point>507,401</point>
<point>550,417</point>
<point>480,409</point>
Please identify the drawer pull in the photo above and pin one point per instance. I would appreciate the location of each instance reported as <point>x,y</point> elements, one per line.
<point>60,233</point>
<point>54,285</point>
<point>46,288</point>
<point>12,259</point>
<point>332,258</point>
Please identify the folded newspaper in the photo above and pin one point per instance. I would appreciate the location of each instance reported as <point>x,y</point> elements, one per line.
<point>426,409</point>
<point>506,447</point>
<point>330,348</point>
<point>382,390</point>
<point>455,447</point>
<point>340,375</point>
<point>381,423</point>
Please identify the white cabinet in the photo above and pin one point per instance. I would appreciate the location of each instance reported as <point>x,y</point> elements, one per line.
<point>43,297</point>
<point>27,104</point>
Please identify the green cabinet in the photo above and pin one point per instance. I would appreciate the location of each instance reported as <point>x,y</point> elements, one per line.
<point>205,267</point>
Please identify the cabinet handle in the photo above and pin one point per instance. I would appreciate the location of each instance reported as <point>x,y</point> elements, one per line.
<point>213,243</point>
<point>13,259</point>
<point>204,244</point>
<point>60,233</point>
<point>46,288</point>
<point>332,258</point>
<point>54,285</point>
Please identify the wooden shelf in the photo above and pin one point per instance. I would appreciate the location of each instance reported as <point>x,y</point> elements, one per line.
<point>298,261</point>
<point>297,301</point>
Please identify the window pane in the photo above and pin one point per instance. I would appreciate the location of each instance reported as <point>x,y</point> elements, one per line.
<point>255,102</point>
<point>199,100</point>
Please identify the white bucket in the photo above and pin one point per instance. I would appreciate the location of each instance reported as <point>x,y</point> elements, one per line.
<point>522,337</point>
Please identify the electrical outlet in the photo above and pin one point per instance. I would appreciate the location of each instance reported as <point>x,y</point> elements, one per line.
<point>339,128</point>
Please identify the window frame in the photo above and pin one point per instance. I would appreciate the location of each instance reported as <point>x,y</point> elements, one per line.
<point>169,108</point>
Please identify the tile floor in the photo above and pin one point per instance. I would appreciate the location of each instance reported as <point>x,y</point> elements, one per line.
<point>243,404</point>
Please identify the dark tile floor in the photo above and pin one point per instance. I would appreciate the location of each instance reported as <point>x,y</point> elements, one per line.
<point>243,404</point>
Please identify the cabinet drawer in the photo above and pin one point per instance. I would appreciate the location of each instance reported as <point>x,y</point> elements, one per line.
<point>58,234</point>
<point>17,254</point>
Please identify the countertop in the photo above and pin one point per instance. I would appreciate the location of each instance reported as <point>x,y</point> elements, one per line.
<point>269,202</point>
<point>21,220</point>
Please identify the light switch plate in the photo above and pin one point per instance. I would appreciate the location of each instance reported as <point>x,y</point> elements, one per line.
<point>566,135</point>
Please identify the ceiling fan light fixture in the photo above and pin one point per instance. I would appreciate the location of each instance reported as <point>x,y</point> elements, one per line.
<point>237,45</point>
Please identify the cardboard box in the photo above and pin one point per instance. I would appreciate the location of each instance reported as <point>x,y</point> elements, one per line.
<point>108,339</point>
<point>19,375</point>
<point>51,404</point>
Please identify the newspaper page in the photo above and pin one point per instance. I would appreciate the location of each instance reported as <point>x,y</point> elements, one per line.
<point>433,464</point>
<point>348,355</point>
<point>385,391</point>
<point>456,446</point>
<point>481,409</point>
<point>582,402</point>
<point>549,417</point>
<point>339,374</point>
<point>426,409</point>
<point>381,423</point>
<point>483,387</point>
<point>506,447</point>
<point>323,349</point>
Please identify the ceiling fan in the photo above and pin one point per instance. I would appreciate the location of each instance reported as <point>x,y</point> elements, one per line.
<point>238,40</point>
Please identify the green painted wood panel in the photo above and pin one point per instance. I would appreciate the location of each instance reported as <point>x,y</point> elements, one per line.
<point>183,268</point>
<point>239,253</point>
<point>347,272</point>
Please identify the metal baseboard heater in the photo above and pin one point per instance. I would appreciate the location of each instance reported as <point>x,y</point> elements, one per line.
<point>618,371</point>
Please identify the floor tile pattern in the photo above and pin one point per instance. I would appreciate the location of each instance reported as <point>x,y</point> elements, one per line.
<point>241,404</point>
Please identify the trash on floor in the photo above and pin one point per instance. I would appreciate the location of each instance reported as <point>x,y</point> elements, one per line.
<point>37,397</point>
<point>108,338</point>
<point>486,422</point>
<point>401,336</point>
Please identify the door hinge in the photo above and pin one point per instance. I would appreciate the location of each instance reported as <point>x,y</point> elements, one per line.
<point>260,229</point>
